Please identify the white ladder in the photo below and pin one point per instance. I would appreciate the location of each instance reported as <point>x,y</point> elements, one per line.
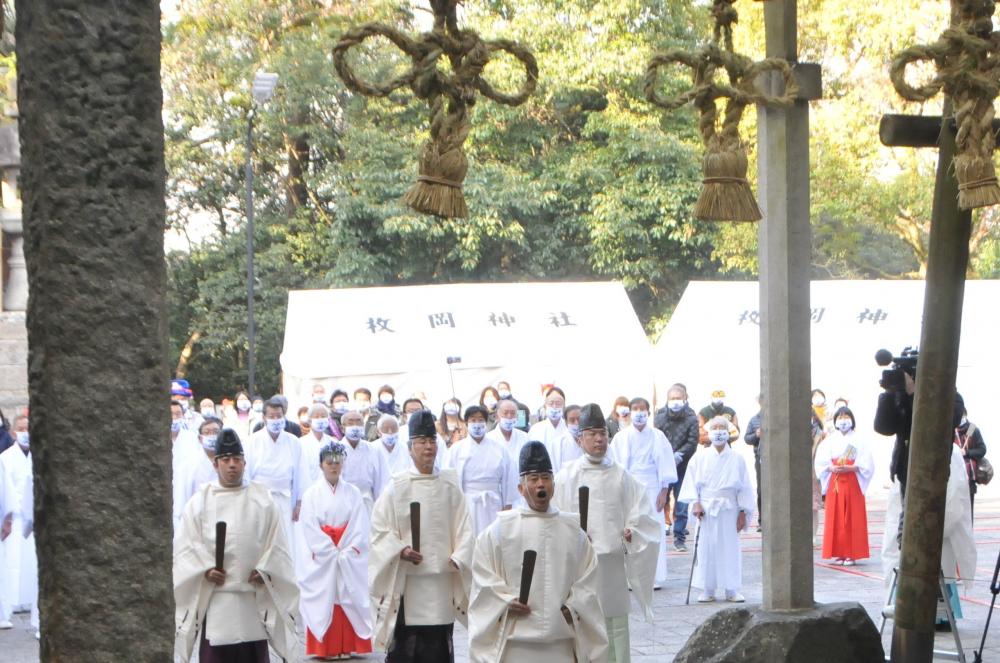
<point>889,611</point>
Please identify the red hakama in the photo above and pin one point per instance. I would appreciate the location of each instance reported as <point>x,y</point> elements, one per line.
<point>845,533</point>
<point>340,638</point>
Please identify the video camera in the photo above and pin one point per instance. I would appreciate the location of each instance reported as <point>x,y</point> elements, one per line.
<point>892,377</point>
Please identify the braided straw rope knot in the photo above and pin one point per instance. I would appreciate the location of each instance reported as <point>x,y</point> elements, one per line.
<point>449,95</point>
<point>726,194</point>
<point>967,61</point>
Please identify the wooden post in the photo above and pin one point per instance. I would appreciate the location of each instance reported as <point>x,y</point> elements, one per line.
<point>785,252</point>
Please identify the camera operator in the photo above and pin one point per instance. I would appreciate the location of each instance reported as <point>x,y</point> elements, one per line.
<point>894,415</point>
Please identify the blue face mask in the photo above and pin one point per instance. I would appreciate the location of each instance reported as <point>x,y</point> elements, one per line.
<point>640,417</point>
<point>390,439</point>
<point>477,429</point>
<point>354,433</point>
<point>275,426</point>
<point>555,414</point>
<point>23,438</point>
<point>507,425</point>
<point>340,407</point>
<point>208,442</point>
<point>318,424</point>
<point>574,429</point>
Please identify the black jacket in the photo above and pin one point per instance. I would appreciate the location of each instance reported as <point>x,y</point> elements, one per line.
<point>681,428</point>
<point>894,416</point>
<point>752,436</point>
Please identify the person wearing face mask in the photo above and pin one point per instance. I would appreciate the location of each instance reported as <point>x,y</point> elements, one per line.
<point>339,405</point>
<point>274,459</point>
<point>717,486</point>
<point>364,468</point>
<point>646,453</point>
<point>572,416</point>
<point>717,408</point>
<point>523,411</point>
<point>386,404</point>
<point>450,426</point>
<point>303,417</point>
<point>363,404</point>
<point>488,399</point>
<point>562,619</point>
<point>507,433</point>
<point>180,390</point>
<point>619,417</point>
<point>844,466</point>
<point>291,426</point>
<point>626,534</point>
<point>553,432</point>
<point>319,393</point>
<point>485,470</point>
<point>391,446</point>
<point>241,419</point>
<point>207,408</point>
<point>679,423</point>
<point>197,468</point>
<point>20,584</point>
<point>184,449</point>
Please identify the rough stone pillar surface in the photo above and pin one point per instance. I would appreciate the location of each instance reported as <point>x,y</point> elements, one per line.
<point>93,204</point>
<point>785,253</point>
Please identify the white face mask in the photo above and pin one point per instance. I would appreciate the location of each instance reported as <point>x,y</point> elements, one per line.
<point>507,425</point>
<point>318,424</point>
<point>451,409</point>
<point>275,426</point>
<point>718,436</point>
<point>390,439</point>
<point>622,410</point>
<point>574,430</point>
<point>208,442</point>
<point>716,402</point>
<point>490,402</point>
<point>640,417</point>
<point>354,433</point>
<point>242,405</point>
<point>964,421</point>
<point>340,407</point>
<point>385,398</point>
<point>363,406</point>
<point>818,400</point>
<point>504,393</point>
<point>844,425</point>
<point>477,429</point>
<point>319,397</point>
<point>23,438</point>
<point>176,425</point>
<point>555,414</point>
<point>675,405</point>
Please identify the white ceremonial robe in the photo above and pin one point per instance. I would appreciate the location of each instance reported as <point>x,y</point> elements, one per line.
<point>28,522</point>
<point>280,466</point>
<point>310,458</point>
<point>21,572</point>
<point>833,447</point>
<point>618,502</point>
<point>243,427</point>
<point>366,469</point>
<point>721,483</point>
<point>439,586</point>
<point>518,438</point>
<point>565,575</point>
<point>558,441</point>
<point>193,473</point>
<point>184,449</point>
<point>958,550</point>
<point>6,506</point>
<point>335,574</point>
<point>397,460</point>
<point>487,475</point>
<point>238,611</point>
<point>647,456</point>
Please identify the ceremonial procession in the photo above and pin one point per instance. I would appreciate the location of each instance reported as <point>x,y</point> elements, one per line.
<point>498,331</point>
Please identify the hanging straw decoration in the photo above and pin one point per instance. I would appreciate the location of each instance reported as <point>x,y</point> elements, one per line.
<point>725,194</point>
<point>966,57</point>
<point>450,96</point>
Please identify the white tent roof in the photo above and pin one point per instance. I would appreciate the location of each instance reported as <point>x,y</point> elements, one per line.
<point>529,334</point>
<point>713,342</point>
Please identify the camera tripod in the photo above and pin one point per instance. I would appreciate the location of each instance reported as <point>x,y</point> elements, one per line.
<point>994,589</point>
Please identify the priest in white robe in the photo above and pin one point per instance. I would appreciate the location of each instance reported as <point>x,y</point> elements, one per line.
<point>625,532</point>
<point>717,486</point>
<point>195,470</point>
<point>274,459</point>
<point>553,432</point>
<point>334,578</point>
<point>418,591</point>
<point>391,445</point>
<point>21,573</point>
<point>365,468</point>
<point>184,447</point>
<point>561,620</point>
<point>28,520</point>
<point>234,612</point>
<point>311,443</point>
<point>506,431</point>
<point>485,470</point>
<point>6,527</point>
<point>645,452</point>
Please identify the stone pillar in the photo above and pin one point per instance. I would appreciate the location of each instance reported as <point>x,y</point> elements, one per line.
<point>785,252</point>
<point>93,202</point>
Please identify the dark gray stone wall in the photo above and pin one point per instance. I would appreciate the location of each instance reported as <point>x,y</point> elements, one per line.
<point>93,193</point>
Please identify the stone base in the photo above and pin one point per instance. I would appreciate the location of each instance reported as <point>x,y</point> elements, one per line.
<point>13,363</point>
<point>832,633</point>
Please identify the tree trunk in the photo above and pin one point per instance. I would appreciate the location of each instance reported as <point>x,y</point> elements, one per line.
<point>297,146</point>
<point>186,352</point>
<point>93,194</point>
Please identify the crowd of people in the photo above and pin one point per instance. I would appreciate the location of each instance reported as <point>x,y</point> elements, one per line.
<point>335,516</point>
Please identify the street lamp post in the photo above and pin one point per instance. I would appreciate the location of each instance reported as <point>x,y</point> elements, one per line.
<point>263,89</point>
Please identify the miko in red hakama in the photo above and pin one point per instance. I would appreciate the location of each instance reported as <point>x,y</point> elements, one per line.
<point>340,638</point>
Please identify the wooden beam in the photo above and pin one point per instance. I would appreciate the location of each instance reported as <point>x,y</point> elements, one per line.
<point>915,130</point>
